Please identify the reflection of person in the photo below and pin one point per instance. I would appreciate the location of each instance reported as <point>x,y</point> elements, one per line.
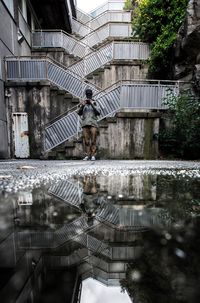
<point>91,201</point>
<point>89,111</point>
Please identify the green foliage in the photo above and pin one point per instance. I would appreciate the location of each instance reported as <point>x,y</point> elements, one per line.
<point>182,139</point>
<point>128,5</point>
<point>157,22</point>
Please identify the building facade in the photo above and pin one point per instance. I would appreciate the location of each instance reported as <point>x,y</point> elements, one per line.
<point>18,18</point>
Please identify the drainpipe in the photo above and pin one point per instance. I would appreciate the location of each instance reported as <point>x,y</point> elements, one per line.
<point>8,119</point>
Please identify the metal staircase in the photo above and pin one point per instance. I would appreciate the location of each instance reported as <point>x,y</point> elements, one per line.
<point>123,94</point>
<point>91,59</point>
<point>132,94</point>
<point>109,17</point>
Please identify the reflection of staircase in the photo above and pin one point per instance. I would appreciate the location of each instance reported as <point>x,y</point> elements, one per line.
<point>67,192</point>
<point>106,212</point>
<point>48,239</point>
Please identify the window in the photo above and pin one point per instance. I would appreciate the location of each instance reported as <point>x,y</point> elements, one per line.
<point>29,17</point>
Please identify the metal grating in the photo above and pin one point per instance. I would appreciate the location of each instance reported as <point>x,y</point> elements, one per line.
<point>67,192</point>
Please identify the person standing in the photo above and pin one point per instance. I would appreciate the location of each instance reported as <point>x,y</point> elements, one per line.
<point>89,111</point>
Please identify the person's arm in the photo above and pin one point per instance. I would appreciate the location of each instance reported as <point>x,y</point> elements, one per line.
<point>81,107</point>
<point>95,108</point>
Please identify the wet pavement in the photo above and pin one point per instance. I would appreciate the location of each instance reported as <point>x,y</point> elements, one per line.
<point>82,231</point>
<point>15,175</point>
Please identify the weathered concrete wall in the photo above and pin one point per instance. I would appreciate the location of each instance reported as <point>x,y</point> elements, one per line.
<point>130,137</point>
<point>126,136</point>
<point>118,71</point>
<point>43,103</point>
<point>57,54</point>
<point>9,46</point>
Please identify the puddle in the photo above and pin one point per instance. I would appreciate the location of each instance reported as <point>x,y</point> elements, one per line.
<point>102,238</point>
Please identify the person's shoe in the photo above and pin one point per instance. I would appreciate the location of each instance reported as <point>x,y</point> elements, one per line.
<point>86,158</point>
<point>93,158</point>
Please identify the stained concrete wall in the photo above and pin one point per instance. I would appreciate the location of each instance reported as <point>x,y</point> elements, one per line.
<point>118,71</point>
<point>43,103</point>
<point>127,136</point>
<point>9,46</point>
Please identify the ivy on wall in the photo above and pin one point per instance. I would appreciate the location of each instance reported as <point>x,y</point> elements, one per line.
<point>158,22</point>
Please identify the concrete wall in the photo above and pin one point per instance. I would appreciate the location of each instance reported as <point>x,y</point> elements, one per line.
<point>117,71</point>
<point>9,46</point>
<point>127,136</point>
<point>42,103</point>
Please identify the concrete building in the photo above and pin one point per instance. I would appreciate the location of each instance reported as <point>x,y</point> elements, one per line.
<point>66,52</point>
<point>18,18</point>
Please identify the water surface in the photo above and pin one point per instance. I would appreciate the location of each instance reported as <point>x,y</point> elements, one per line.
<point>86,238</point>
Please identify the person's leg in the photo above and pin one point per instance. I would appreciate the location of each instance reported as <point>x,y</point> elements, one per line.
<point>94,132</point>
<point>86,140</point>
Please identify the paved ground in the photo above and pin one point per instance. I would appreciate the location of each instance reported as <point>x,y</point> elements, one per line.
<point>20,174</point>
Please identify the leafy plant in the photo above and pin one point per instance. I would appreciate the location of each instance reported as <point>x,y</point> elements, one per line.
<point>128,5</point>
<point>157,22</point>
<point>182,138</point>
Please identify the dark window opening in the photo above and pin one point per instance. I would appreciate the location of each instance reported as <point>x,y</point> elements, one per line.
<point>29,17</point>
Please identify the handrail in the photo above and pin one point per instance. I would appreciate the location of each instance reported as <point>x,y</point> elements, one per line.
<point>92,22</point>
<point>51,60</point>
<point>64,32</point>
<point>103,5</point>
<point>81,12</point>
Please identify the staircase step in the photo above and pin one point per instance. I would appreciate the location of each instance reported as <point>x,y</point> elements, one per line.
<point>69,144</point>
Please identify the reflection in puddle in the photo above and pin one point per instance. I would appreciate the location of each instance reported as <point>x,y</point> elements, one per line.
<point>94,292</point>
<point>138,233</point>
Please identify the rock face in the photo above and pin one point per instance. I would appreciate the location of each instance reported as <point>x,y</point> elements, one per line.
<point>187,48</point>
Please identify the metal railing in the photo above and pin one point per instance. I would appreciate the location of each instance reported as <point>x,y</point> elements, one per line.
<point>79,28</point>
<point>131,50</point>
<point>91,59</point>
<point>109,5</point>
<point>109,16</point>
<point>31,69</point>
<point>83,16</point>
<point>67,192</point>
<point>82,29</point>
<point>108,31</point>
<point>111,51</point>
<point>59,38</point>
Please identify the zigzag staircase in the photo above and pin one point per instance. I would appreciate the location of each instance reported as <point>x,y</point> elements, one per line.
<point>134,94</point>
<point>72,194</point>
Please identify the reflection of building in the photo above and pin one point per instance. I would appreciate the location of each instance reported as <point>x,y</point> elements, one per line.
<point>56,242</point>
<point>49,244</point>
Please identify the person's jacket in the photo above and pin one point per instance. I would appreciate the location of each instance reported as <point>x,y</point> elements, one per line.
<point>89,114</point>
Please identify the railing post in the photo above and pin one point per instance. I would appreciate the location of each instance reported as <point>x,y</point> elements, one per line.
<point>159,95</point>
<point>19,68</point>
<point>61,39</point>
<point>42,43</point>
<point>113,50</point>
<point>46,68</point>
